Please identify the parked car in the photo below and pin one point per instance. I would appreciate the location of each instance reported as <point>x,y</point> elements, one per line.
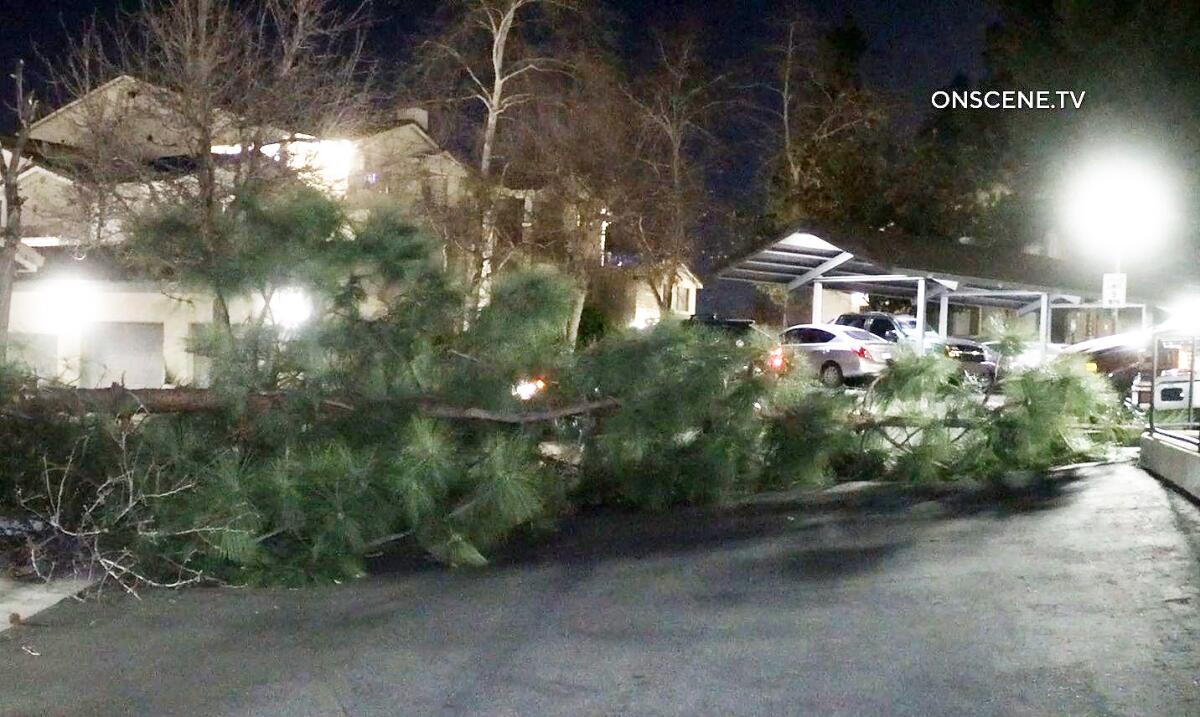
<point>1171,391</point>
<point>1119,358</point>
<point>973,357</point>
<point>1174,382</point>
<point>838,353</point>
<point>897,329</point>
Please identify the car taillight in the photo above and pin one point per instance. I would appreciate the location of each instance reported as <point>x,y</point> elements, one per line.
<point>861,352</point>
<point>775,359</point>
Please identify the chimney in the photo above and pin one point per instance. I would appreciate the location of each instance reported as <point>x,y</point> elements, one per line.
<point>418,115</point>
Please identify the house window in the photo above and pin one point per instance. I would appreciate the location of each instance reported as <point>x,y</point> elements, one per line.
<point>682,300</point>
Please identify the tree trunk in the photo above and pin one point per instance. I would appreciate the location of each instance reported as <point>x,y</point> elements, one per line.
<point>120,401</point>
<point>578,300</point>
<point>10,172</point>
<point>220,310</point>
<point>8,275</point>
<point>483,293</point>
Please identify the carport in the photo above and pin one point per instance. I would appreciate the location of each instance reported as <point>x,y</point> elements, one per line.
<point>904,268</point>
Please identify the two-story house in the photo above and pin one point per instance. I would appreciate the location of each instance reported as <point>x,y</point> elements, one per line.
<point>79,317</point>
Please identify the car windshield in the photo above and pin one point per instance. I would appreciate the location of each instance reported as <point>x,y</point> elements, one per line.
<point>908,326</point>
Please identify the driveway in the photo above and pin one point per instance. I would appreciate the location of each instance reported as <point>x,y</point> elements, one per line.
<point>1079,602</point>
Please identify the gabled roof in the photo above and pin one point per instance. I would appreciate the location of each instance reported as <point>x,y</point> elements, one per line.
<point>142,110</point>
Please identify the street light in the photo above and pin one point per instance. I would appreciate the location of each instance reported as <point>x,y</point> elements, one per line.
<point>1116,201</point>
<point>1119,198</point>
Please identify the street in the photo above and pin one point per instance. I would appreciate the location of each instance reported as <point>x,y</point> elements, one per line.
<point>1082,602</point>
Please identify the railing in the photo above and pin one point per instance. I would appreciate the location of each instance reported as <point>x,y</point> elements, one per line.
<point>1172,402</point>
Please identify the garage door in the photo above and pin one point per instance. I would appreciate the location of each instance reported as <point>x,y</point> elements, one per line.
<point>123,352</point>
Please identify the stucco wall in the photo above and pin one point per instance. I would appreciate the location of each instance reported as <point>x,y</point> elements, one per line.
<point>68,310</point>
<point>834,303</point>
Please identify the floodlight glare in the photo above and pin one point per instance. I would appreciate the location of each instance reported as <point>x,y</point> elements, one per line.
<point>290,307</point>
<point>66,305</point>
<point>1119,198</point>
<point>1183,314</point>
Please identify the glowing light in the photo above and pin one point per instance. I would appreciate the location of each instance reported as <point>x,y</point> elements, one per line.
<point>330,161</point>
<point>291,307</point>
<point>1118,197</point>
<point>1183,315</point>
<point>65,305</point>
<point>775,359</point>
<point>526,389</point>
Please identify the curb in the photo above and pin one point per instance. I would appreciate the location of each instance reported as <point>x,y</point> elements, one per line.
<point>1175,463</point>
<point>857,493</point>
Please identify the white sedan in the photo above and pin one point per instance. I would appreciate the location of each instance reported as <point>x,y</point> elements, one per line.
<point>838,353</point>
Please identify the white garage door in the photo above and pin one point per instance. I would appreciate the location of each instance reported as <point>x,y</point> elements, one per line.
<point>123,352</point>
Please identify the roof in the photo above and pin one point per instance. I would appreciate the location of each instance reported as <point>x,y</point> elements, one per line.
<point>888,264</point>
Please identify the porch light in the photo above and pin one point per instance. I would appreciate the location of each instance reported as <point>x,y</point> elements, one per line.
<point>331,162</point>
<point>290,307</point>
<point>66,305</point>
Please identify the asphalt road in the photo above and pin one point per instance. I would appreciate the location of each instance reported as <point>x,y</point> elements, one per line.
<point>1079,603</point>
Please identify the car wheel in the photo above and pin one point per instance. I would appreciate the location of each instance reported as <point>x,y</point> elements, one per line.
<point>831,375</point>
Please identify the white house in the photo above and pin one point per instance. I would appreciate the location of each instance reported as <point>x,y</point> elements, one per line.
<point>84,320</point>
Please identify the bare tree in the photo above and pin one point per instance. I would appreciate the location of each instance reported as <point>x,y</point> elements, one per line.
<point>482,60</point>
<point>675,101</point>
<point>12,163</point>
<point>233,89</point>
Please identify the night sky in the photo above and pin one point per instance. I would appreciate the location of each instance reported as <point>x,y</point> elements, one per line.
<point>916,45</point>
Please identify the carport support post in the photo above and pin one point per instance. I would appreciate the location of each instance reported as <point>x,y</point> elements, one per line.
<point>921,315</point>
<point>944,316</point>
<point>1044,323</point>
<point>816,302</point>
